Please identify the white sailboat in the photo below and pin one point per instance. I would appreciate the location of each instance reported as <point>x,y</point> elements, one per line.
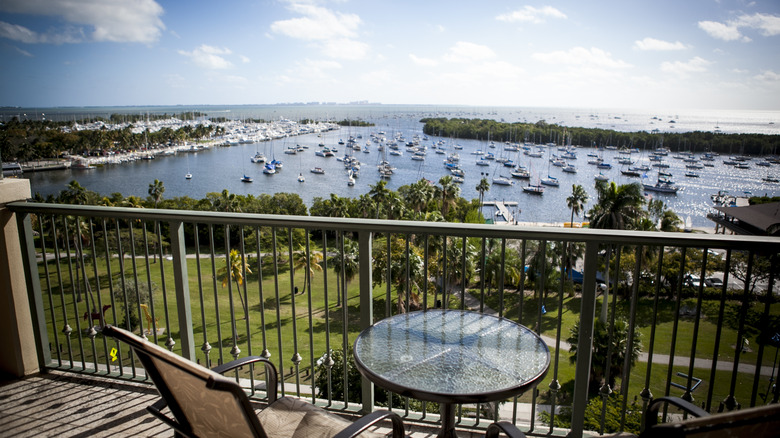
<point>188,175</point>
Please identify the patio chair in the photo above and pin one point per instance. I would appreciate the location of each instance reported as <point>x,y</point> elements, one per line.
<point>761,421</point>
<point>758,422</point>
<point>206,404</point>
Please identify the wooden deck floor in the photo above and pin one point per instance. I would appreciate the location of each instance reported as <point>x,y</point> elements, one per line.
<point>60,404</point>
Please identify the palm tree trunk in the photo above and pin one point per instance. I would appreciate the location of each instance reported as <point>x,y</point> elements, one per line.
<point>241,297</point>
<point>605,303</point>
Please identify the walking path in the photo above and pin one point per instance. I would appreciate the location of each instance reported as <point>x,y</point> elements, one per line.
<point>663,359</point>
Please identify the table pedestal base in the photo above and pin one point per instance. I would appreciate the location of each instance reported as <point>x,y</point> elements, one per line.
<point>447,421</point>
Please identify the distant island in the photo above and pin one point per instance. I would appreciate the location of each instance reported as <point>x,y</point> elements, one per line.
<point>542,132</point>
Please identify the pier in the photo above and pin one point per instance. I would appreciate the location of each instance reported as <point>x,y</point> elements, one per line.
<point>503,211</point>
<point>41,165</point>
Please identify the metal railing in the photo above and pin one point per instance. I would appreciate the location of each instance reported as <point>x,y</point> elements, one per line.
<point>216,286</point>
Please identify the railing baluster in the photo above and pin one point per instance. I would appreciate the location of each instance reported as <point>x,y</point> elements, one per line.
<point>296,357</point>
<point>278,305</point>
<point>235,350</point>
<point>463,278</point>
<point>30,275</point>
<point>265,353</point>
<point>170,342</point>
<point>673,346</point>
<point>718,330</point>
<point>213,257</point>
<point>311,321</point>
<point>328,356</point>
<point>152,325</point>
<point>482,260</point>
<point>182,289</point>
<point>731,402</point>
<point>75,291</point>
<point>205,347</point>
<point>501,271</point>
<point>628,359</point>
<point>585,340</point>
<point>366,307</point>
<point>764,323</point>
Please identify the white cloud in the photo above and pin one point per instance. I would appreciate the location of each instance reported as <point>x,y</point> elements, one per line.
<point>18,33</point>
<point>317,23</point>
<point>24,52</point>
<point>722,31</point>
<point>768,76</point>
<point>581,56</point>
<point>136,21</point>
<point>766,24</point>
<point>468,52</point>
<point>423,61</point>
<point>345,48</point>
<point>440,28</point>
<point>660,45</point>
<point>694,65</point>
<point>175,81</point>
<point>530,14</point>
<point>334,33</point>
<point>739,71</point>
<point>244,59</point>
<point>209,57</point>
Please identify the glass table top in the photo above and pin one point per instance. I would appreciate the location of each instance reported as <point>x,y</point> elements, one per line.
<point>451,355</point>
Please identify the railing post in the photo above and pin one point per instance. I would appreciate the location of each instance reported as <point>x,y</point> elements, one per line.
<point>585,340</point>
<point>182,285</point>
<point>25,346</point>
<point>366,307</point>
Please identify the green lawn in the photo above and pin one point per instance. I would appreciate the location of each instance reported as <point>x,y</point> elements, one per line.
<point>261,330</point>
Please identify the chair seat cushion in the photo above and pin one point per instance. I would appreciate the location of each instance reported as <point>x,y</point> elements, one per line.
<point>289,417</point>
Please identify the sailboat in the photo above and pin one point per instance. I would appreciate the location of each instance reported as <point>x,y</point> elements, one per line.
<point>301,178</point>
<point>188,175</point>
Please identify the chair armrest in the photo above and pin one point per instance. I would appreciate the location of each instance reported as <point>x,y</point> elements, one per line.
<point>369,420</point>
<point>651,415</point>
<point>503,426</point>
<point>272,376</point>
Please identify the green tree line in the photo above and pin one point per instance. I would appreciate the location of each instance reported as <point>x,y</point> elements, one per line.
<point>543,132</point>
<point>31,140</point>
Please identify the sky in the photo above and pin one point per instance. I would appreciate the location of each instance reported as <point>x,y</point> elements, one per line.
<point>660,54</point>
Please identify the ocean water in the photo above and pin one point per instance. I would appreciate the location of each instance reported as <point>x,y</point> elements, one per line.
<point>222,167</point>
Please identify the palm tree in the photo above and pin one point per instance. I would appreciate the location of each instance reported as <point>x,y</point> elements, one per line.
<point>227,202</point>
<point>156,190</point>
<point>482,187</point>
<point>234,270</point>
<point>449,192</point>
<point>576,200</point>
<point>348,264</point>
<point>379,193</point>
<point>618,208</point>
<point>311,261</point>
<point>417,195</point>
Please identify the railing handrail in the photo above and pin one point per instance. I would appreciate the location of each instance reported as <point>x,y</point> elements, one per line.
<point>654,238</point>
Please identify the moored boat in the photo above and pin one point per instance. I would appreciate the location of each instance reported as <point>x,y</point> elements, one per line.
<point>534,189</point>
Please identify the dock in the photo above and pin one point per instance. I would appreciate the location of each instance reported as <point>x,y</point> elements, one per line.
<point>42,166</point>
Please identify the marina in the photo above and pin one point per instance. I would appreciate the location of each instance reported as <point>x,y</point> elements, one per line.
<point>347,169</point>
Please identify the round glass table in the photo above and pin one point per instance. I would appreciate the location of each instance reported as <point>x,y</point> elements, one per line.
<point>451,357</point>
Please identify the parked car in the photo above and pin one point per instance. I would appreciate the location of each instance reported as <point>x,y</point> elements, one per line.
<point>713,282</point>
<point>692,280</point>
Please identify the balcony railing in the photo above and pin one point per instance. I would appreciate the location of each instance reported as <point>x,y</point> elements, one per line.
<point>217,286</point>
